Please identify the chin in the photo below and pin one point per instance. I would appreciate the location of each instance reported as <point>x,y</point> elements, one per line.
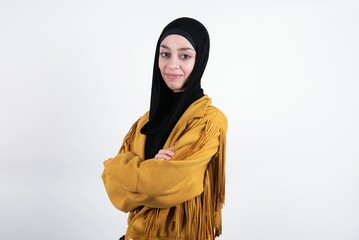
<point>177,89</point>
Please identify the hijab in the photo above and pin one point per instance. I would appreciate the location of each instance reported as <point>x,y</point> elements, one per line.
<point>167,107</point>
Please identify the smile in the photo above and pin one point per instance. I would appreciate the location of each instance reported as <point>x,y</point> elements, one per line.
<point>173,76</point>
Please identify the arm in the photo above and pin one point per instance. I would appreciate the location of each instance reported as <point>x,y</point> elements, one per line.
<point>116,190</point>
<point>162,184</point>
<point>121,165</point>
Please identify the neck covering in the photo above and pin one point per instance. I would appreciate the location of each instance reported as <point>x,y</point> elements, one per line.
<point>167,107</point>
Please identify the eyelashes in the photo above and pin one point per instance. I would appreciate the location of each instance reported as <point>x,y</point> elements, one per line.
<point>164,54</point>
<point>185,56</point>
<point>181,56</point>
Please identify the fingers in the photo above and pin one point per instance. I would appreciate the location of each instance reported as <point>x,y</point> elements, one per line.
<point>167,151</point>
<point>165,154</point>
<point>161,156</point>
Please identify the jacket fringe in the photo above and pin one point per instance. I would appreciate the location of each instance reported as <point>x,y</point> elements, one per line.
<point>203,214</point>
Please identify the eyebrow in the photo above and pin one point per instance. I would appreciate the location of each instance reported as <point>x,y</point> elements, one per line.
<point>181,49</point>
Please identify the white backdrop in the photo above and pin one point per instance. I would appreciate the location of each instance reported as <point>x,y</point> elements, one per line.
<point>74,76</point>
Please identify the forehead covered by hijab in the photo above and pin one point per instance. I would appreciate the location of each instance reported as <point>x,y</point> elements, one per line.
<point>197,34</point>
<point>192,30</point>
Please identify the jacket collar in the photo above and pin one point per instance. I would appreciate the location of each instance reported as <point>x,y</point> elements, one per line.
<point>196,109</point>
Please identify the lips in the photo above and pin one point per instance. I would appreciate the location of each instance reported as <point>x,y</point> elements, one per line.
<point>172,76</point>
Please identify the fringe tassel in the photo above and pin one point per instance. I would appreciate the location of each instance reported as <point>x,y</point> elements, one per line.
<point>179,216</point>
<point>150,221</point>
<point>203,214</point>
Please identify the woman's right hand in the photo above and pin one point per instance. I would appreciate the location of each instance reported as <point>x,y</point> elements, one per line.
<point>165,154</point>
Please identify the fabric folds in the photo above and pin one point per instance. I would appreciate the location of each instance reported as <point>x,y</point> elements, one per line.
<point>164,111</point>
<point>181,198</point>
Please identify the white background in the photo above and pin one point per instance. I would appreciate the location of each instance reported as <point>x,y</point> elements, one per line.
<point>74,76</point>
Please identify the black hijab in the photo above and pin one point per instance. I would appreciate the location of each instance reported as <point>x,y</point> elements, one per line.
<point>166,106</point>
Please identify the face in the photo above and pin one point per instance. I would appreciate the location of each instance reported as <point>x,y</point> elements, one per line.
<point>176,61</point>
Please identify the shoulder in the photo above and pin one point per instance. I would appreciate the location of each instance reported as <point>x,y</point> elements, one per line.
<point>142,120</point>
<point>203,111</point>
<point>215,114</point>
<point>139,123</point>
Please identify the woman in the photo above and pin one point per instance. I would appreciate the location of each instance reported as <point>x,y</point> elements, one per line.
<point>169,172</point>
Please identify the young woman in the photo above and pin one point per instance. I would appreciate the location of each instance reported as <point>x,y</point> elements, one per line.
<point>170,171</point>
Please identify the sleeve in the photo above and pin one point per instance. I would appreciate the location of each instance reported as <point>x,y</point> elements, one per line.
<point>163,184</point>
<point>117,169</point>
<point>160,183</point>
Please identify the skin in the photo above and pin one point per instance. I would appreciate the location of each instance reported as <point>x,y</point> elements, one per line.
<point>176,62</point>
<point>165,154</point>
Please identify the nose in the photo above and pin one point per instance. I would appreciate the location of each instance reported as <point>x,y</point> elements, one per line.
<point>173,63</point>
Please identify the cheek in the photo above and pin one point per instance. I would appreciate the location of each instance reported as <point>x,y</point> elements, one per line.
<point>189,68</point>
<point>161,65</point>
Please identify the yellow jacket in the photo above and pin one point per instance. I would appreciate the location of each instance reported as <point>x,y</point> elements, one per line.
<point>177,199</point>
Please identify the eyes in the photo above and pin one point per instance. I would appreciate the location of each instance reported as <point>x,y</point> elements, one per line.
<point>181,56</point>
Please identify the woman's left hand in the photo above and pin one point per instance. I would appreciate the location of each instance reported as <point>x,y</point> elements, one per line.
<point>165,154</point>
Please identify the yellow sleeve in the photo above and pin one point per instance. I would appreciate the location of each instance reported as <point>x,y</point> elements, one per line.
<point>163,184</point>
<point>116,189</point>
<point>120,177</point>
<point>132,182</point>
